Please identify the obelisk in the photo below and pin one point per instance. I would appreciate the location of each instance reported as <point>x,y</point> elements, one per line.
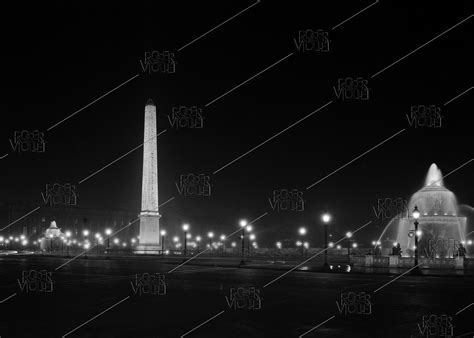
<point>149,241</point>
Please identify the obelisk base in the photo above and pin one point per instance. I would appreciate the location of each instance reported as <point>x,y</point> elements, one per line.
<point>149,242</point>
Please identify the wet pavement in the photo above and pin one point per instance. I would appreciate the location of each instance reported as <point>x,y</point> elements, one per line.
<point>94,298</point>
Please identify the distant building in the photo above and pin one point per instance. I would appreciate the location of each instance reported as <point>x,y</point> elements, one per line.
<point>67,218</point>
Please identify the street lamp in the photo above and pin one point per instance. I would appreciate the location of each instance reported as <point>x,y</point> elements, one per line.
<point>416,215</point>
<point>299,243</point>
<point>51,242</point>
<point>326,218</point>
<point>278,245</point>
<point>198,240</point>
<point>243,224</point>
<point>223,238</point>
<point>185,230</point>
<point>210,235</point>
<point>185,235</point>
<point>68,235</point>
<point>163,234</point>
<point>349,235</point>
<point>302,231</point>
<point>108,232</point>
<point>251,238</point>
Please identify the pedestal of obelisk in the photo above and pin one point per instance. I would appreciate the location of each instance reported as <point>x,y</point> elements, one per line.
<point>149,241</point>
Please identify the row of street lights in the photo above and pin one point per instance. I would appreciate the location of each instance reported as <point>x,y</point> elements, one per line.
<point>187,236</point>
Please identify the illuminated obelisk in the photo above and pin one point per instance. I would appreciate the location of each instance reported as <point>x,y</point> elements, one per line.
<point>149,216</point>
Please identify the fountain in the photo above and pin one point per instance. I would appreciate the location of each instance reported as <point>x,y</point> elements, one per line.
<point>52,235</point>
<point>442,228</point>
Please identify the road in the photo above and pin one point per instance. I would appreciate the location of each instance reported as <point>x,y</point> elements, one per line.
<point>94,298</point>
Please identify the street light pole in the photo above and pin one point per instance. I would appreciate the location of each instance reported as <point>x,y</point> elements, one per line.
<point>68,235</point>
<point>251,238</point>
<point>349,235</point>
<point>302,232</point>
<point>210,234</point>
<point>243,224</point>
<point>416,269</point>
<point>242,236</point>
<point>163,233</point>
<point>198,240</point>
<point>185,229</point>
<point>108,232</point>
<point>326,218</point>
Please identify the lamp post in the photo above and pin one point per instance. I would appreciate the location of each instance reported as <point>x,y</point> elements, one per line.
<point>302,232</point>
<point>108,232</point>
<point>68,235</point>
<point>326,218</point>
<point>198,239</point>
<point>185,230</point>
<point>306,246</point>
<point>243,224</point>
<point>299,243</point>
<point>223,244</point>
<point>251,238</point>
<point>175,241</point>
<point>348,236</point>
<point>416,269</point>
<point>163,234</point>
<point>51,242</point>
<point>210,234</point>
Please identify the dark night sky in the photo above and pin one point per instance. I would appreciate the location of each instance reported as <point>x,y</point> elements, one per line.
<point>58,59</point>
